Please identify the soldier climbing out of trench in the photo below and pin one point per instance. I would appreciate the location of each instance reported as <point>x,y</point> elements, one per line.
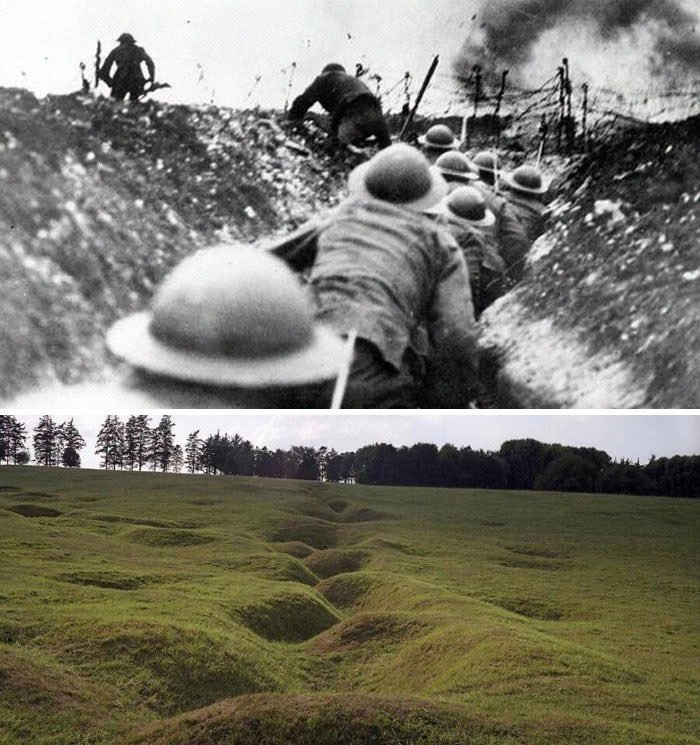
<point>128,78</point>
<point>356,114</point>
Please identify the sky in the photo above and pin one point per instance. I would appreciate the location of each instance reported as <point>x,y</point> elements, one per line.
<point>213,48</point>
<point>239,52</point>
<point>621,435</point>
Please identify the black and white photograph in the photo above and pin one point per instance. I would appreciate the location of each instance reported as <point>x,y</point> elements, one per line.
<point>350,204</point>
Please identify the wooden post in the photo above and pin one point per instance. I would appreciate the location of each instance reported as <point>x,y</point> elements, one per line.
<point>569,120</point>
<point>496,112</point>
<point>423,87</point>
<point>560,122</point>
<point>476,73</point>
<point>98,63</point>
<point>584,115</point>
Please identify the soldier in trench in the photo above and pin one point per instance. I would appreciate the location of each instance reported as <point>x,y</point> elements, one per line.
<point>465,215</point>
<point>381,267</point>
<point>511,237</point>
<point>128,78</point>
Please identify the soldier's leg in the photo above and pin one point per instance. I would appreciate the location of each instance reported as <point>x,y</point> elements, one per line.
<point>362,120</point>
<point>119,91</point>
<point>375,384</point>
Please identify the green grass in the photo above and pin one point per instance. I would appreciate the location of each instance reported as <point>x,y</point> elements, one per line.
<point>149,608</point>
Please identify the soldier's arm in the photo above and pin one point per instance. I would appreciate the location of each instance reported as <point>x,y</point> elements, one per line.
<point>513,242</point>
<point>106,67</point>
<point>452,375</point>
<point>298,249</point>
<point>304,102</point>
<point>150,65</point>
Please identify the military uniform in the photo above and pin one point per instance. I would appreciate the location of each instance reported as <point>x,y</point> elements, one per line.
<point>355,112</point>
<point>511,237</point>
<point>128,78</point>
<point>401,282</point>
<point>530,211</point>
<point>484,263</point>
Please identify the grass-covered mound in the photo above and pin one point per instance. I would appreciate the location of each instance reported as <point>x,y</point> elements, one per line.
<point>320,720</point>
<point>465,617</point>
<point>327,563</point>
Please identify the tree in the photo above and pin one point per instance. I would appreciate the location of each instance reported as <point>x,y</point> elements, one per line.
<point>110,443</point>
<point>13,437</point>
<point>624,478</point>
<point>525,460</point>
<point>192,452</point>
<point>47,441</point>
<point>177,459</point>
<point>161,444</point>
<point>136,439</point>
<point>340,467</point>
<point>306,463</point>
<point>568,473</point>
<point>71,458</point>
<point>71,437</point>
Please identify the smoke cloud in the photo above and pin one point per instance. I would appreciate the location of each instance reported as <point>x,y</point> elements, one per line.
<point>511,30</point>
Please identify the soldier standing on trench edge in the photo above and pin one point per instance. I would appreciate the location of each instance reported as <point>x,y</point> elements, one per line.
<point>356,113</point>
<point>128,78</point>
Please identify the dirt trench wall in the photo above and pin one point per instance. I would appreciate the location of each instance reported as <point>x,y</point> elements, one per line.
<point>608,312</point>
<point>98,200</point>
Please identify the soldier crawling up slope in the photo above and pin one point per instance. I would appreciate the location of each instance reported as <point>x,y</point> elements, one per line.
<point>356,114</point>
<point>128,77</point>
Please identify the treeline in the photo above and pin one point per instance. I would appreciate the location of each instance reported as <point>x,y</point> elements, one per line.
<point>137,444</point>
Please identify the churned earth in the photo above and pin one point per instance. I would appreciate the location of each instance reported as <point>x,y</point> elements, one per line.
<point>99,200</point>
<point>608,314</point>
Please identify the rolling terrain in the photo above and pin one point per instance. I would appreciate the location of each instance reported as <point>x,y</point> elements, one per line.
<point>173,609</point>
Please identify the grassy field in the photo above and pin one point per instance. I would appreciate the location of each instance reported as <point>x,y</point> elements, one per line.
<point>150,608</point>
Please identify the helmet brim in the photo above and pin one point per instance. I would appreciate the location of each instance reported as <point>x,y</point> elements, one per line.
<point>507,179</point>
<point>131,340</point>
<point>462,175</point>
<point>443,209</point>
<point>424,142</point>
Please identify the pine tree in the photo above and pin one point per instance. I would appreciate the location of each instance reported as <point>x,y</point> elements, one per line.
<point>71,437</point>
<point>13,439</point>
<point>47,440</point>
<point>192,452</point>
<point>162,442</point>
<point>110,443</point>
<point>142,439</point>
<point>177,459</point>
<point>71,443</point>
<point>137,436</point>
<point>6,423</point>
<point>167,445</point>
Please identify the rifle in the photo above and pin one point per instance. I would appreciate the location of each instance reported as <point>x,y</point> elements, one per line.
<point>426,82</point>
<point>151,87</point>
